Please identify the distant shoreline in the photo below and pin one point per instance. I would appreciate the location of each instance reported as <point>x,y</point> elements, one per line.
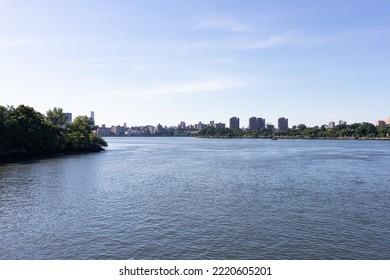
<point>243,137</point>
<point>296,138</point>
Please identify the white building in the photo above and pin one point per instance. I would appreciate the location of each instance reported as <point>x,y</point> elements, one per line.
<point>151,129</point>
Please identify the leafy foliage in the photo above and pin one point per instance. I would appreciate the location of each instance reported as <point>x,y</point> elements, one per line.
<point>357,130</point>
<point>24,130</point>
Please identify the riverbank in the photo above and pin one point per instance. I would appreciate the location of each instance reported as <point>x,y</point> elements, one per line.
<point>26,133</point>
<point>252,137</point>
<point>295,138</point>
<point>16,156</point>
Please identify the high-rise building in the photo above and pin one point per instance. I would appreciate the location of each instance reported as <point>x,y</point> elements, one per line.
<point>256,123</point>
<point>234,122</point>
<point>253,125</point>
<point>93,116</point>
<point>200,125</point>
<point>381,123</point>
<point>260,123</point>
<point>332,125</point>
<point>68,117</point>
<point>282,124</point>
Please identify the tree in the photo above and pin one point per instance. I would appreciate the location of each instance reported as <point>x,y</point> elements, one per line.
<point>26,127</point>
<point>301,128</point>
<point>366,130</point>
<point>384,131</point>
<point>26,131</point>
<point>4,142</point>
<point>56,117</point>
<point>79,135</point>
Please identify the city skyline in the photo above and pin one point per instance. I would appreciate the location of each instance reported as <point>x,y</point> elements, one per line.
<point>253,123</point>
<point>150,62</point>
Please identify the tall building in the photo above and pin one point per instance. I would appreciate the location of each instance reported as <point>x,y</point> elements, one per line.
<point>256,123</point>
<point>332,125</point>
<point>381,123</point>
<point>234,122</point>
<point>93,116</point>
<point>68,117</point>
<point>200,125</point>
<point>282,124</point>
<point>253,125</point>
<point>260,123</point>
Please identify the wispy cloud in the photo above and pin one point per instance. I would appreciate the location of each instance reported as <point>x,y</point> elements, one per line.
<point>18,42</point>
<point>352,36</point>
<point>223,24</point>
<point>274,41</point>
<point>292,38</point>
<point>180,88</point>
<point>251,43</point>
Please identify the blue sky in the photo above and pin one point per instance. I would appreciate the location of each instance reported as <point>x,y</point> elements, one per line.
<point>149,62</point>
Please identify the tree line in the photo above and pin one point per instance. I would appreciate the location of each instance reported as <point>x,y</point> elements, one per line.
<point>23,130</point>
<point>354,131</point>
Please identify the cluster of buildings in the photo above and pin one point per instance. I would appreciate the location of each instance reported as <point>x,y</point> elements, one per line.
<point>234,123</point>
<point>124,130</point>
<point>332,124</point>
<point>259,123</point>
<point>255,123</point>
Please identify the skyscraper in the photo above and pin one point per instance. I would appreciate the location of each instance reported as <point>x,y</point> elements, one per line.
<point>260,123</point>
<point>282,124</point>
<point>234,122</point>
<point>256,123</point>
<point>93,116</point>
<point>253,125</point>
<point>68,117</point>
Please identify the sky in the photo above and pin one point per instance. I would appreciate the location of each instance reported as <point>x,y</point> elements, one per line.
<point>146,62</point>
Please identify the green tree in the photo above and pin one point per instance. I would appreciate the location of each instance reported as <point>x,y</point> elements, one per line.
<point>384,131</point>
<point>366,130</point>
<point>79,135</point>
<point>301,128</point>
<point>26,127</point>
<point>56,117</point>
<point>4,141</point>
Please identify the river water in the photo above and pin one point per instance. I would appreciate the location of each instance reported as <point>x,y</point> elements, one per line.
<point>189,198</point>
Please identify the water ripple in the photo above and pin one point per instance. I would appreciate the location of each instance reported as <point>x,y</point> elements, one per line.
<point>185,198</point>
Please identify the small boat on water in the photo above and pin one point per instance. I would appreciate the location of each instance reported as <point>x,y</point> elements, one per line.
<point>274,138</point>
